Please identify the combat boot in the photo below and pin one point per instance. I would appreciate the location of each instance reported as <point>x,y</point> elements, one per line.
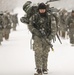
<point>45,71</point>
<point>39,71</point>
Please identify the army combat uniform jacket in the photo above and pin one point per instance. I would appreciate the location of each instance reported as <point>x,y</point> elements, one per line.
<point>70,27</point>
<point>47,26</point>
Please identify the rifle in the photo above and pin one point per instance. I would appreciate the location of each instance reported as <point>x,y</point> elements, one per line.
<point>58,38</point>
<point>47,40</point>
<point>42,32</point>
<point>51,1</point>
<point>51,46</point>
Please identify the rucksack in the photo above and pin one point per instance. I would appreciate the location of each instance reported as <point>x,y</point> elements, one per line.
<point>26,6</point>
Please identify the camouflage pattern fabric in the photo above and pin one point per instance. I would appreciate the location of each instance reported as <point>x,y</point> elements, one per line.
<point>1,36</point>
<point>40,46</point>
<point>6,24</point>
<point>70,26</point>
<point>1,29</point>
<point>41,49</point>
<point>14,21</point>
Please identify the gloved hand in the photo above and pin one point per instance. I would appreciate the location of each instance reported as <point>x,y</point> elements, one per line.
<point>36,32</point>
<point>24,20</point>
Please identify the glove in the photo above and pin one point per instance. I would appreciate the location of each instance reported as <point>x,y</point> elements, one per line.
<point>24,20</point>
<point>36,32</point>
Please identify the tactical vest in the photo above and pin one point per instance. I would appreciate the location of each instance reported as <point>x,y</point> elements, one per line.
<point>42,23</point>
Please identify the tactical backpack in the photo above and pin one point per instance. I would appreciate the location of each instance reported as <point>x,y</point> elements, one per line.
<point>30,10</point>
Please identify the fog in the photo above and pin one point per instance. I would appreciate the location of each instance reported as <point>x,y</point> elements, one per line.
<point>10,5</point>
<point>16,57</point>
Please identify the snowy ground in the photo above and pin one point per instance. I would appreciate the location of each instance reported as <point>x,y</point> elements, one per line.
<point>16,57</point>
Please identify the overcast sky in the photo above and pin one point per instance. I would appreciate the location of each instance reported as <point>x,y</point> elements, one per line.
<point>12,4</point>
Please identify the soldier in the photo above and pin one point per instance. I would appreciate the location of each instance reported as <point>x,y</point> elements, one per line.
<point>14,21</point>
<point>63,17</point>
<point>7,26</point>
<point>1,27</point>
<point>70,27</point>
<point>43,29</point>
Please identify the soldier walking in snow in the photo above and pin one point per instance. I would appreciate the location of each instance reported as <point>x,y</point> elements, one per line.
<point>70,27</point>
<point>1,27</point>
<point>43,28</point>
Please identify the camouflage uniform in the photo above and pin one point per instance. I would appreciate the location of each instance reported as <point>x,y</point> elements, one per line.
<point>7,26</point>
<point>40,46</point>
<point>1,29</point>
<point>14,21</point>
<point>70,26</point>
<point>63,23</point>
